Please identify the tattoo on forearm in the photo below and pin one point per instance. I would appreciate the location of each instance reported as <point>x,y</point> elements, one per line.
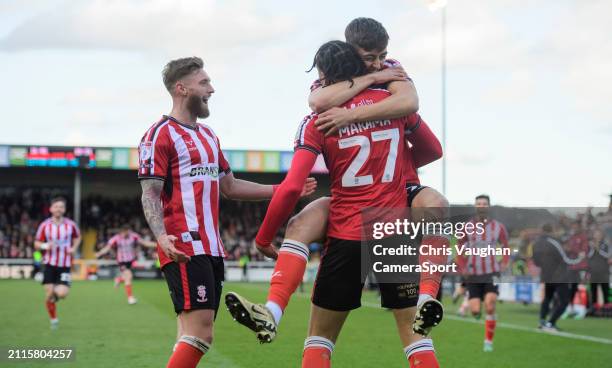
<point>151,205</point>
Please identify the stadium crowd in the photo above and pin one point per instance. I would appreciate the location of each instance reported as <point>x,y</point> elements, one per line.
<point>22,210</point>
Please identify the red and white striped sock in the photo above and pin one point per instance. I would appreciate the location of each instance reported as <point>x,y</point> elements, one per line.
<point>317,352</point>
<point>189,350</point>
<point>421,354</point>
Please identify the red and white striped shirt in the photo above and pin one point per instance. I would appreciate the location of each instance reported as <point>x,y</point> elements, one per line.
<point>191,163</point>
<point>125,246</point>
<point>60,235</point>
<point>494,234</point>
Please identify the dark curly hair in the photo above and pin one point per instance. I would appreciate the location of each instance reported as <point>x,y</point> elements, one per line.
<point>338,61</point>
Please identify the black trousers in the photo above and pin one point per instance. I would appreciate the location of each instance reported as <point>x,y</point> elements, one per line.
<point>558,295</point>
<point>605,288</point>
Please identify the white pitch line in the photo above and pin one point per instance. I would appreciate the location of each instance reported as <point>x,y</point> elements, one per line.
<point>510,326</point>
<point>518,327</point>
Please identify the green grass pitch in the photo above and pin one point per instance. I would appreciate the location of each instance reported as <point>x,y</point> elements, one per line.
<point>107,332</point>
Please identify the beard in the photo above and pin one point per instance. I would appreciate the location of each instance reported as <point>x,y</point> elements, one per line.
<point>197,107</point>
<point>482,212</point>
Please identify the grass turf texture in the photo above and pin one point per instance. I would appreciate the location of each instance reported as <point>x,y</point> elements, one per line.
<point>107,332</point>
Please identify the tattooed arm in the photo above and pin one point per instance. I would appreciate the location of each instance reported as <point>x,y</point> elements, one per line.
<point>154,213</point>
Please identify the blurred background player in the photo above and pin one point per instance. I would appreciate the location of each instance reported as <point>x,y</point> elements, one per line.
<point>578,247</point>
<point>124,244</point>
<point>480,272</point>
<point>182,172</point>
<point>338,285</point>
<point>600,259</point>
<point>59,238</point>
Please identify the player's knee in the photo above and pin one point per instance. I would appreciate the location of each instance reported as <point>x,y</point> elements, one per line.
<point>475,311</point>
<point>440,201</point>
<point>296,227</point>
<point>438,206</point>
<point>62,294</point>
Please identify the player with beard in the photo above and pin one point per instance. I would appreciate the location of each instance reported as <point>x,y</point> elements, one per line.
<point>59,238</point>
<point>182,171</point>
<point>480,272</point>
<point>370,39</point>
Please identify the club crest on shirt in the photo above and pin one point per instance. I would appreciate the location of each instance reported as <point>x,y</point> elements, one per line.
<point>190,145</point>
<point>202,294</point>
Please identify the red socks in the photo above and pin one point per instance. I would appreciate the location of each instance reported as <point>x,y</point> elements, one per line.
<point>288,272</point>
<point>128,290</point>
<point>424,359</point>
<point>430,282</point>
<point>189,350</point>
<point>51,309</point>
<point>490,323</point>
<point>317,352</point>
<point>421,354</point>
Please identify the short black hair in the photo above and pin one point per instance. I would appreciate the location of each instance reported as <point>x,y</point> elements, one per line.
<point>58,199</point>
<point>483,196</point>
<point>338,61</point>
<point>366,33</point>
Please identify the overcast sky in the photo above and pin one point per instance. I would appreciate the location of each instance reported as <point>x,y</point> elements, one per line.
<point>529,82</point>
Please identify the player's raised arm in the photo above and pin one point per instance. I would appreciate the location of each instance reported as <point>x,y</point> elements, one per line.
<point>244,190</point>
<point>324,98</point>
<point>146,243</point>
<point>104,250</point>
<point>285,197</point>
<point>152,207</point>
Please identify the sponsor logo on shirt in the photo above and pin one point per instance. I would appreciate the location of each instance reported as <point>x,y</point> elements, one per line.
<point>210,170</point>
